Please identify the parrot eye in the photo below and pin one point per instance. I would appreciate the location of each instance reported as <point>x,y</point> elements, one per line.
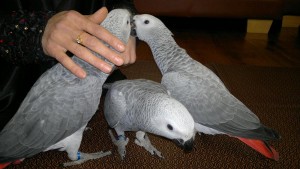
<point>170,127</point>
<point>146,21</point>
<point>127,22</point>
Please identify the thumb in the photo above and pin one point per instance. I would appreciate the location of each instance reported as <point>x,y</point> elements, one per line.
<point>99,15</point>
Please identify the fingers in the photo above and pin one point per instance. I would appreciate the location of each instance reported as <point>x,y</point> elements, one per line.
<point>95,29</point>
<point>132,47</point>
<point>106,36</point>
<point>68,63</point>
<point>87,56</point>
<point>101,33</point>
<point>60,36</point>
<point>99,15</point>
<point>90,39</point>
<point>97,46</point>
<point>129,55</point>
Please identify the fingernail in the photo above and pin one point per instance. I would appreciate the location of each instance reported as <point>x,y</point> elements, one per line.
<point>119,61</point>
<point>121,47</point>
<point>82,74</point>
<point>107,69</point>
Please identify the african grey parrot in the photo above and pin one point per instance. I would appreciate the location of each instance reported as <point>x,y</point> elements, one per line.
<point>214,109</point>
<point>145,106</point>
<point>58,107</point>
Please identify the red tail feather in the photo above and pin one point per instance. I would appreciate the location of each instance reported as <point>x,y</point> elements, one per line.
<point>261,147</point>
<point>4,165</point>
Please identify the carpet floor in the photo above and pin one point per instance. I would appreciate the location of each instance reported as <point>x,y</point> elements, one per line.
<point>272,93</point>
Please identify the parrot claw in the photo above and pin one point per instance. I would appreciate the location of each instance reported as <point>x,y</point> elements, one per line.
<point>88,128</point>
<point>143,140</point>
<point>122,147</point>
<point>121,143</point>
<point>86,157</point>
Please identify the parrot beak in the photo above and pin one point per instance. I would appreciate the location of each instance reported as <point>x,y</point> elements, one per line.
<point>133,26</point>
<point>186,146</point>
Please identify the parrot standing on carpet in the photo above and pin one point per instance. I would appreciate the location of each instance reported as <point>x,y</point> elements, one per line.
<point>214,109</point>
<point>58,107</point>
<point>145,106</point>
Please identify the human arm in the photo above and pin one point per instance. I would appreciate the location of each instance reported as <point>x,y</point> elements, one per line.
<point>20,36</point>
<point>24,45</point>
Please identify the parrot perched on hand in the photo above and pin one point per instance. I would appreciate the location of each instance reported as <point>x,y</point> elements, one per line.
<point>214,109</point>
<point>145,106</point>
<point>58,107</point>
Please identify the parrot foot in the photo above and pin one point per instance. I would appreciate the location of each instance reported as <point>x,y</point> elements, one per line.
<point>87,128</point>
<point>143,140</point>
<point>83,157</point>
<point>121,143</point>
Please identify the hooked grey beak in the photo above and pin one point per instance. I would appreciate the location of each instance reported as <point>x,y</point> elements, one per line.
<point>186,146</point>
<point>133,26</point>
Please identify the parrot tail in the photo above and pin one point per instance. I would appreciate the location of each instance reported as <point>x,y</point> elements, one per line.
<point>261,147</point>
<point>3,165</point>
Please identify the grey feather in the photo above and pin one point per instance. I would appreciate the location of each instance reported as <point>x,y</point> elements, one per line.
<point>59,104</point>
<point>197,87</point>
<point>144,105</point>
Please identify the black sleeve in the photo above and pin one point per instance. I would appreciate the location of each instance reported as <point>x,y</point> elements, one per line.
<point>20,36</point>
<point>125,4</point>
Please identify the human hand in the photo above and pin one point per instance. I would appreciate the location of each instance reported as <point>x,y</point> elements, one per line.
<point>129,55</point>
<point>62,31</point>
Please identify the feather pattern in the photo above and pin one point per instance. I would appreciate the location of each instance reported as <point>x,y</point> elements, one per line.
<point>213,107</point>
<point>144,105</point>
<point>59,104</point>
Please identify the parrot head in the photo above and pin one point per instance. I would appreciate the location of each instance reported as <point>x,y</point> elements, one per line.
<point>118,22</point>
<point>173,121</point>
<point>149,28</point>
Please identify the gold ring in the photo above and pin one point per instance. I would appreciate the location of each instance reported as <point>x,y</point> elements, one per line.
<point>79,39</point>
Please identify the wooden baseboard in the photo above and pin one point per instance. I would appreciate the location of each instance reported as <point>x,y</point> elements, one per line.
<point>291,21</point>
<point>258,26</point>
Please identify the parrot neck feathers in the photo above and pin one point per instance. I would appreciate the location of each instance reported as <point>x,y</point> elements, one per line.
<point>167,54</point>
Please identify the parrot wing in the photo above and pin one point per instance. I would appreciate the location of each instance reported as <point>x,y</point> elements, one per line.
<point>212,105</point>
<point>124,93</point>
<point>114,106</point>
<point>53,109</point>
